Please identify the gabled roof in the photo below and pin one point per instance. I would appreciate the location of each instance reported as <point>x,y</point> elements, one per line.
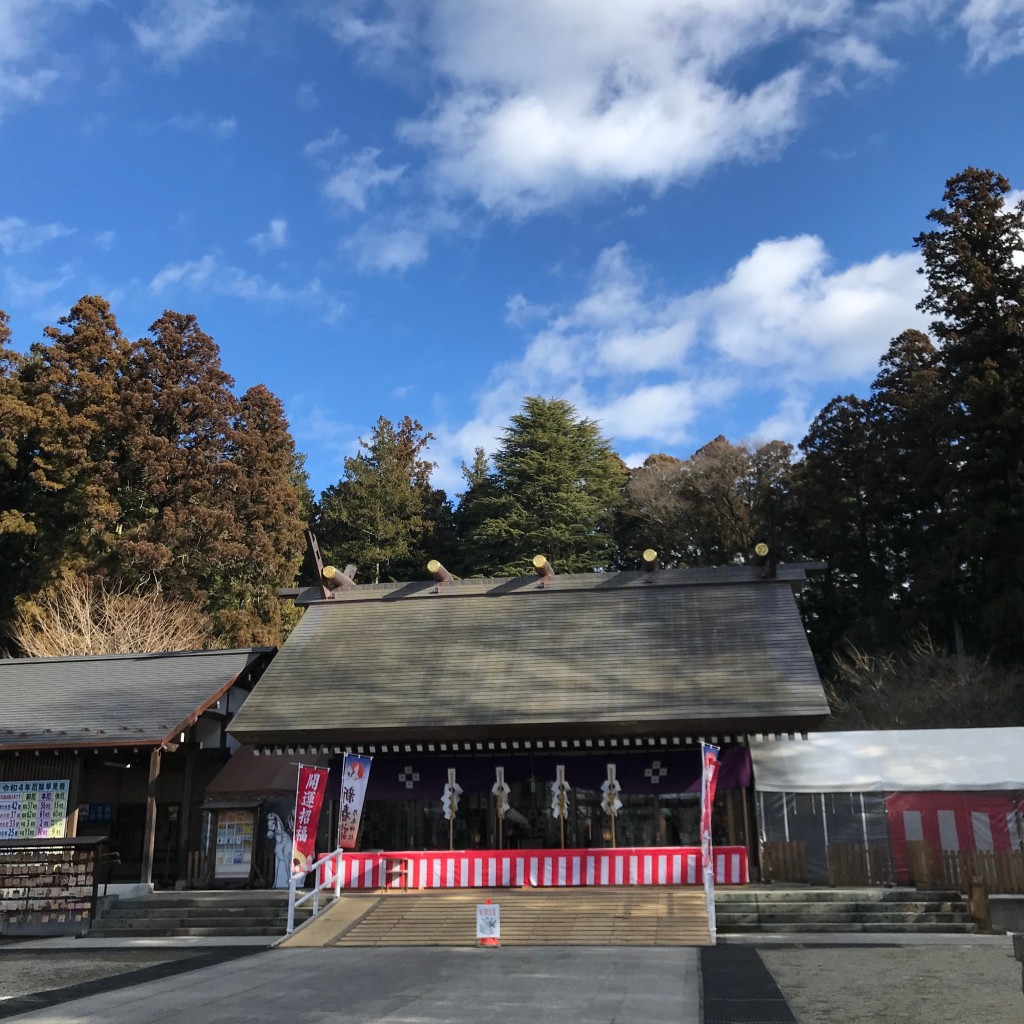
<point>115,699</point>
<point>590,654</point>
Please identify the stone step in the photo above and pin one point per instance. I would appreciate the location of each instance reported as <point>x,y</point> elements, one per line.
<point>105,927</point>
<point>811,910</point>
<point>197,899</point>
<point>636,916</point>
<point>879,895</point>
<point>867,909</point>
<point>821,916</point>
<point>880,927</point>
<point>224,914</point>
<point>187,932</point>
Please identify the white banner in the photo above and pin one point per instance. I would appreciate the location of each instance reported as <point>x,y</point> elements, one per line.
<point>355,774</point>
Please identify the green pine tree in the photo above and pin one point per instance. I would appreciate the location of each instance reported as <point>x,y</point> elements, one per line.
<point>384,514</point>
<point>553,491</point>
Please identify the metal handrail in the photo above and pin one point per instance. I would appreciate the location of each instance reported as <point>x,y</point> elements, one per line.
<point>297,901</point>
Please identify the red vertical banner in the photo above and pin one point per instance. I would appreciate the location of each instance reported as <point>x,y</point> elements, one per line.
<point>708,785</point>
<point>309,798</point>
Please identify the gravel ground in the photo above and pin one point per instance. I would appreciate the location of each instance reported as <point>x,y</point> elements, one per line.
<point>900,985</point>
<point>24,973</point>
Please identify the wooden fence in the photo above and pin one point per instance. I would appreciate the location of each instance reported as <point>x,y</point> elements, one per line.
<point>784,862</point>
<point>856,864</point>
<point>200,865</point>
<point>998,870</point>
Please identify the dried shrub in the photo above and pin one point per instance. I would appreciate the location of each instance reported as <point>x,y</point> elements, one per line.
<point>85,616</point>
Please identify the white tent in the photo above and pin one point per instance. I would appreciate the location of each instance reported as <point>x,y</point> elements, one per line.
<point>927,760</point>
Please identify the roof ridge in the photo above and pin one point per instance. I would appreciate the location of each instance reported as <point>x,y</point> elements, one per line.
<point>137,654</point>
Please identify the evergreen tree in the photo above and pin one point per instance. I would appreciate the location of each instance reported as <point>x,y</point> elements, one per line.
<point>272,505</point>
<point>470,514</point>
<point>911,456</point>
<point>17,418</point>
<point>179,528</point>
<point>836,489</point>
<point>17,526</point>
<point>383,514</point>
<point>556,484</point>
<point>74,451</point>
<point>975,276</point>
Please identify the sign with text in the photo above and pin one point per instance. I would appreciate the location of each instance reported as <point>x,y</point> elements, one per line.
<point>33,810</point>
<point>488,921</point>
<point>309,797</point>
<point>355,774</point>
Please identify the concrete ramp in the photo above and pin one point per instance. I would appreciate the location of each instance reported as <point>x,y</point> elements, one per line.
<point>340,916</point>
<point>626,916</point>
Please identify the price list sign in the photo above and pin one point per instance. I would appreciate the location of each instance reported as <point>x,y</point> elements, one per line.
<point>33,810</point>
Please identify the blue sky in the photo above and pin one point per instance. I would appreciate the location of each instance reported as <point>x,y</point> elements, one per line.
<point>688,217</point>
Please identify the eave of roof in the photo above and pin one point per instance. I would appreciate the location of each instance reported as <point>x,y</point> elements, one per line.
<point>83,702</point>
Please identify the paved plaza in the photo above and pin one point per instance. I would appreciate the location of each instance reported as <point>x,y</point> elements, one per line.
<point>935,982</point>
<point>533,985</point>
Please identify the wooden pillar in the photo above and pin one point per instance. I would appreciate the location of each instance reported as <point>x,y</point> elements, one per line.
<point>750,834</point>
<point>74,789</point>
<point>185,813</point>
<point>730,816</point>
<point>149,838</point>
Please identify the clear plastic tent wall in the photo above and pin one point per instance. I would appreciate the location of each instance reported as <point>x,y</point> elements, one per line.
<point>957,789</point>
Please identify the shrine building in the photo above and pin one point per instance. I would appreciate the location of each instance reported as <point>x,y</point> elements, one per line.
<point>631,669</point>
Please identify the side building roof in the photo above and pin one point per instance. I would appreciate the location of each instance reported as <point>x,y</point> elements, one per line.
<point>585,655</point>
<point>115,699</point>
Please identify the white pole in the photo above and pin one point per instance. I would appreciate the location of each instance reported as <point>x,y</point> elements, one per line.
<point>291,906</point>
<point>339,853</point>
<point>864,827</point>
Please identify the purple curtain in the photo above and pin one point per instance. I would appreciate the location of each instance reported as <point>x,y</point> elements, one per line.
<point>418,777</point>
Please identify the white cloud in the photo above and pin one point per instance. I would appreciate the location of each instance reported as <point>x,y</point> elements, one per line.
<point>21,289</point>
<point>783,325</point>
<point>357,176</point>
<point>218,127</point>
<point>518,311</point>
<point>789,423</point>
<point>376,40</point>
<point>317,147</point>
<point>387,250</point>
<point>860,54</point>
<point>173,30</point>
<point>17,235</point>
<point>104,240</point>
<point>275,237</point>
<point>545,100</point>
<point>995,30</point>
<point>27,55</point>
<point>209,275</point>
<point>306,97</point>
<point>781,308</point>
<point>541,102</point>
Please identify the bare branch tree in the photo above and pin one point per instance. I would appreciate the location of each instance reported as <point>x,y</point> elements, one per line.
<point>923,687</point>
<point>83,616</point>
